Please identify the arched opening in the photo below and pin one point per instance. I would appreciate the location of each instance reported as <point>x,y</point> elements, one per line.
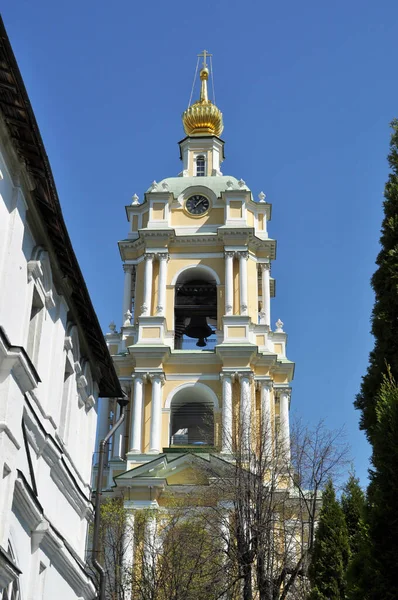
<point>195,310</point>
<point>192,418</point>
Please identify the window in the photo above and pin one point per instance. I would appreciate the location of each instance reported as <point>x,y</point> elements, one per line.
<point>35,325</point>
<point>200,166</point>
<point>192,418</point>
<point>12,591</point>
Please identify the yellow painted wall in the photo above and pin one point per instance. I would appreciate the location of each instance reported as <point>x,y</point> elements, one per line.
<point>278,348</point>
<point>147,416</point>
<point>236,332</point>
<point>179,218</point>
<point>175,265</point>
<point>155,287</point>
<point>236,309</point>
<point>145,218</point>
<point>217,247</point>
<point>253,291</point>
<point>183,368</point>
<point>139,289</point>
<point>165,430</point>
<point>169,386</point>
<point>220,305</point>
<point>158,211</point>
<point>134,225</point>
<point>260,340</point>
<point>151,332</point>
<point>235,209</point>
<point>250,218</point>
<point>260,220</point>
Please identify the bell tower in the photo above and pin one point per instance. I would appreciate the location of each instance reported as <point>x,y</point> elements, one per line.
<point>196,350</point>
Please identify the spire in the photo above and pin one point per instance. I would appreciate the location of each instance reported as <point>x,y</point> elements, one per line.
<point>203,117</point>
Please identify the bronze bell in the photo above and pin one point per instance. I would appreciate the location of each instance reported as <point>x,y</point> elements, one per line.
<point>198,328</point>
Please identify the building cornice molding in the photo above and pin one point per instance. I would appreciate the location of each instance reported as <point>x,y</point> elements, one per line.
<point>50,540</point>
<point>46,446</point>
<point>15,360</point>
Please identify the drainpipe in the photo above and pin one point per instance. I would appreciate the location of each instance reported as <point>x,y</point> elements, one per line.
<point>96,550</point>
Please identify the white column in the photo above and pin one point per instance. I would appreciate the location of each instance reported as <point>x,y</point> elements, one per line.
<point>151,542</point>
<point>161,307</point>
<point>103,422</point>
<point>127,291</point>
<point>266,293</point>
<point>266,418</point>
<point>156,413</point>
<point>148,276</point>
<point>136,414</point>
<point>245,411</point>
<point>128,550</point>
<point>284,397</point>
<point>229,283</point>
<point>243,257</point>
<point>118,437</point>
<point>226,446</point>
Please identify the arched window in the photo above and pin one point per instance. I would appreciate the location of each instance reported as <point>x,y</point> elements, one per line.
<point>191,418</point>
<point>200,166</point>
<point>195,310</point>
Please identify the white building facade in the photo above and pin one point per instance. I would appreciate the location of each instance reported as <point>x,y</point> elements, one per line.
<point>54,364</point>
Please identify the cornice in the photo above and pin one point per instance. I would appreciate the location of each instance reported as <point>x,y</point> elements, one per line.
<point>64,558</point>
<point>46,446</point>
<point>15,359</point>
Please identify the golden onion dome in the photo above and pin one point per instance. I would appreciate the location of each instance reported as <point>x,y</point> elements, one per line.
<point>203,117</point>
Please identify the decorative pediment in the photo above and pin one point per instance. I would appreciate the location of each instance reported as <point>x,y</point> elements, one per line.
<point>170,469</point>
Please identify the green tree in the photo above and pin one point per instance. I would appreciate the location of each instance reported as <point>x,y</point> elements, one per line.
<point>385,310</point>
<point>331,551</point>
<point>353,503</point>
<point>376,563</point>
<point>382,494</point>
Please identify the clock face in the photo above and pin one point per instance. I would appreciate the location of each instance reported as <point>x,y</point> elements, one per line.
<point>197,205</point>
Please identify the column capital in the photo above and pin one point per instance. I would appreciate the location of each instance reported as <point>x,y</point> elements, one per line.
<point>149,256</point>
<point>128,268</point>
<point>267,384</point>
<point>163,256</point>
<point>265,266</point>
<point>239,375</point>
<point>283,391</point>
<point>229,254</point>
<point>154,376</point>
<point>139,376</point>
<point>244,254</point>
<point>230,376</point>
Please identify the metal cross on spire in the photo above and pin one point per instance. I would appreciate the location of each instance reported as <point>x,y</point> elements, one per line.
<point>204,54</point>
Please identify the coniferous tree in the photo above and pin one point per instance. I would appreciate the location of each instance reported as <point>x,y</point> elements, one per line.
<point>331,551</point>
<point>353,504</point>
<point>382,494</point>
<point>385,310</point>
<point>376,565</point>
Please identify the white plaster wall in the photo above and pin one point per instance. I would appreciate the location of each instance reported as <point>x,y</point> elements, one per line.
<point>57,491</point>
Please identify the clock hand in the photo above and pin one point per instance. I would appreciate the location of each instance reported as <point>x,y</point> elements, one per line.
<point>200,201</point>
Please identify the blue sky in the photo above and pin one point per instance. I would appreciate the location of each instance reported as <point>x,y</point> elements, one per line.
<point>307,90</point>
